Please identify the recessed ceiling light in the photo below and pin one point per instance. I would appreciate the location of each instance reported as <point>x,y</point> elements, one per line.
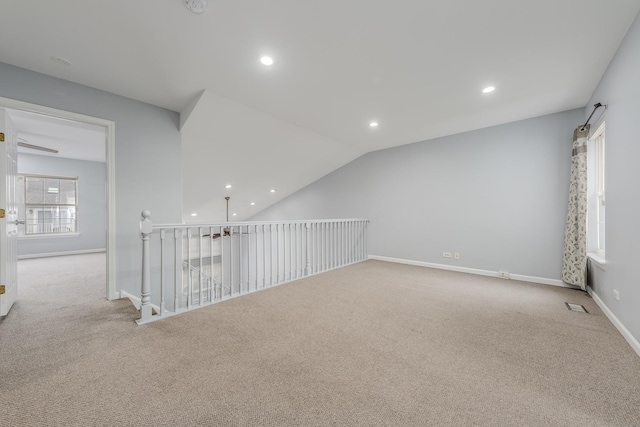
<point>273,190</point>
<point>194,214</point>
<point>196,6</point>
<point>234,214</point>
<point>373,124</point>
<point>266,60</point>
<point>488,89</point>
<point>253,203</point>
<point>227,186</point>
<point>61,61</point>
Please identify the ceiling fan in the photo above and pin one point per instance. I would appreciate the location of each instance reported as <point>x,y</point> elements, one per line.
<point>25,144</point>
<point>226,231</point>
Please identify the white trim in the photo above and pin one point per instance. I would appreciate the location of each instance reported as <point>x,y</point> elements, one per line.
<point>597,260</point>
<point>110,160</point>
<point>236,224</point>
<point>635,345</point>
<point>542,281</point>
<point>438,266</point>
<point>36,175</point>
<point>111,285</point>
<point>134,299</point>
<point>50,254</point>
<point>47,236</point>
<point>523,278</point>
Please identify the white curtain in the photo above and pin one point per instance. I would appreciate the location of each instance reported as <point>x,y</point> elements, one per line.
<point>574,259</point>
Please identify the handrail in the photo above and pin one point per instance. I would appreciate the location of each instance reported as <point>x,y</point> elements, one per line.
<point>232,224</point>
<point>194,269</point>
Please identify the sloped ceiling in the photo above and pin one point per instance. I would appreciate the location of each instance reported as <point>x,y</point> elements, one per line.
<point>416,67</point>
<point>227,143</point>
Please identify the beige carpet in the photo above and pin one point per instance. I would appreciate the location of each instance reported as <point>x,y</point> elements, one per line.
<point>375,344</point>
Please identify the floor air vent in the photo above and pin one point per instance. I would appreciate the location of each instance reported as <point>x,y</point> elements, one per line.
<point>576,307</point>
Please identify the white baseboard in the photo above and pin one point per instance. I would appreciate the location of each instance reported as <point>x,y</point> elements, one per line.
<point>635,345</point>
<point>523,278</point>
<point>542,281</point>
<point>136,301</point>
<point>51,254</point>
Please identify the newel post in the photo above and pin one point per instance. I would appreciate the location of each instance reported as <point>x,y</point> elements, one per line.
<point>146,227</point>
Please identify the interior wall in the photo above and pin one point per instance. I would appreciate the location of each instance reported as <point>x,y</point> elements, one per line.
<point>91,212</point>
<point>498,196</point>
<point>620,90</point>
<point>148,166</point>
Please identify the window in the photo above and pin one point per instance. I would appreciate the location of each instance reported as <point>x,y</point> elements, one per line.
<point>50,204</point>
<point>597,192</point>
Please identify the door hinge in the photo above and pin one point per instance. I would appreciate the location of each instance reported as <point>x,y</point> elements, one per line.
<point>1,137</point>
<point>2,290</point>
<point>1,213</point>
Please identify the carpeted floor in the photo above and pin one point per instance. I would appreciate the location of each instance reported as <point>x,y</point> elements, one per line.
<point>374,344</point>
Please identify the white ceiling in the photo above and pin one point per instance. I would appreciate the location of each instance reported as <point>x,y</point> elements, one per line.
<point>417,67</point>
<point>73,140</point>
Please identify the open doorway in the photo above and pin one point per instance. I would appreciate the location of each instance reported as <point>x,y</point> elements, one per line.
<point>65,185</point>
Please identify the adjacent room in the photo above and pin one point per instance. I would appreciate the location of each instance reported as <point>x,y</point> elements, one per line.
<point>337,213</point>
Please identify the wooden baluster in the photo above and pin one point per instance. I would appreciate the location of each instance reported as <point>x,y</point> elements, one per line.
<point>220,232</point>
<point>161,272</point>
<point>307,270</point>
<point>270,254</point>
<point>200,266</point>
<point>366,239</point>
<point>350,242</point>
<point>335,246</point>
<point>230,261</point>
<point>212,285</point>
<point>177,268</point>
<point>240,260</point>
<point>277,254</point>
<point>359,235</point>
<point>264,259</point>
<point>321,244</point>
<point>190,274</point>
<point>256,231</point>
<point>340,247</point>
<point>295,247</point>
<point>314,248</point>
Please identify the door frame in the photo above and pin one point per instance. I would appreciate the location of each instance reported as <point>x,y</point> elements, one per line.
<point>110,166</point>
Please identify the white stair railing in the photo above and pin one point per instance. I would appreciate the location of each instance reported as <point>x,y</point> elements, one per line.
<point>197,265</point>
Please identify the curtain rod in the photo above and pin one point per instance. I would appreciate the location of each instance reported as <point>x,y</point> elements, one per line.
<point>595,107</point>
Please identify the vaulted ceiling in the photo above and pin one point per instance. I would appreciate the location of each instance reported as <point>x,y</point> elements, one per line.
<point>415,67</point>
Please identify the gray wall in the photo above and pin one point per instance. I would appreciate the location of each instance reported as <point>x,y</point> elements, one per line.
<point>91,213</point>
<point>148,165</point>
<point>498,196</point>
<point>620,90</point>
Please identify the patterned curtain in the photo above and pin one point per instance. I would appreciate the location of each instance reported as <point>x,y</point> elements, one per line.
<point>574,258</point>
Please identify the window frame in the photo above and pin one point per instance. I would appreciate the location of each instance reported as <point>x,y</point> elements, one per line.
<point>26,206</point>
<point>597,141</point>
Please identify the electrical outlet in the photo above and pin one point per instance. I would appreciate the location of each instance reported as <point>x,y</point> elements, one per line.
<point>616,295</point>
<point>446,254</point>
<point>456,255</point>
<point>503,274</point>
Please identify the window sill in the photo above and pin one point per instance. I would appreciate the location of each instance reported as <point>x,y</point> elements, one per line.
<point>598,260</point>
<point>48,236</point>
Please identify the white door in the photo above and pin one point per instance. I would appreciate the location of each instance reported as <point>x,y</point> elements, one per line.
<point>9,212</point>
